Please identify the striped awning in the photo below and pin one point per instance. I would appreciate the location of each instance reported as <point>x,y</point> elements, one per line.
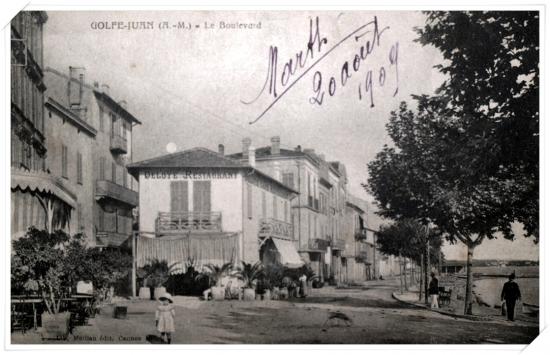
<point>289,256</point>
<point>42,182</point>
<point>202,248</point>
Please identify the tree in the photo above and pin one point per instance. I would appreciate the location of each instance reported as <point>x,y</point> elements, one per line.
<point>37,266</point>
<point>408,238</point>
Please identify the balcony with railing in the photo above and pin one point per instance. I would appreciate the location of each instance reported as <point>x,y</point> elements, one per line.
<point>119,145</point>
<point>109,189</point>
<point>317,244</point>
<point>338,244</point>
<point>362,252</point>
<point>178,222</point>
<point>271,227</point>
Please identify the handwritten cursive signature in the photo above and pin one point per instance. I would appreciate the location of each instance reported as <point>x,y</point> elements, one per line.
<point>295,68</point>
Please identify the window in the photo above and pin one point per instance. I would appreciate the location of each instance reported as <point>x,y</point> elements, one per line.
<point>288,179</point>
<point>264,205</point>
<point>179,196</point>
<point>79,168</point>
<point>249,200</point>
<point>102,168</point>
<point>64,156</point>
<point>113,172</point>
<point>275,212</point>
<point>101,119</point>
<point>80,218</point>
<point>124,178</point>
<point>201,196</point>
<point>286,212</point>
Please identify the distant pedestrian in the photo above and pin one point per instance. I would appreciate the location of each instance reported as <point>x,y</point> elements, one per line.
<point>164,317</point>
<point>303,285</point>
<point>510,294</point>
<point>433,291</point>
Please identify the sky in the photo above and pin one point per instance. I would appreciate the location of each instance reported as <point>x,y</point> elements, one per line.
<point>189,86</point>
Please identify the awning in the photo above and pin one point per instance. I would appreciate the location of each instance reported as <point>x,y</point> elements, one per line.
<point>42,182</point>
<point>289,256</point>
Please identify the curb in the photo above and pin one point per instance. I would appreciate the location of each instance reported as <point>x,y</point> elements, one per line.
<point>461,316</point>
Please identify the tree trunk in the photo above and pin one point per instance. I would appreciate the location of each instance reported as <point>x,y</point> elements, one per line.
<point>405,274</point>
<point>469,280</point>
<point>412,273</point>
<point>400,274</point>
<point>421,276</point>
<point>426,269</point>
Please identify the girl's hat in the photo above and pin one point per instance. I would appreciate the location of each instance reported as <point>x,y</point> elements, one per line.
<point>166,297</point>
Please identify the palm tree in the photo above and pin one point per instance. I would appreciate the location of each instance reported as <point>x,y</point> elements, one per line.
<point>157,272</point>
<point>215,273</point>
<point>249,273</point>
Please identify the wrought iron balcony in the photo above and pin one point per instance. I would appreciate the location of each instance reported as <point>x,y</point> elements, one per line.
<point>119,145</point>
<point>317,244</point>
<point>338,244</point>
<point>270,227</point>
<point>108,189</point>
<point>177,222</point>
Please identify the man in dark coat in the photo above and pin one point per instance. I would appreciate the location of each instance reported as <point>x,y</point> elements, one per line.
<point>433,291</point>
<point>510,293</point>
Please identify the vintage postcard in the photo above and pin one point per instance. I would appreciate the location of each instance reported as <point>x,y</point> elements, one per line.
<point>274,177</point>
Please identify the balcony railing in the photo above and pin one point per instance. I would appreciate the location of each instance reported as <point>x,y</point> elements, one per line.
<point>361,234</point>
<point>109,189</point>
<point>270,227</point>
<point>177,222</point>
<point>317,244</point>
<point>338,244</point>
<point>119,144</point>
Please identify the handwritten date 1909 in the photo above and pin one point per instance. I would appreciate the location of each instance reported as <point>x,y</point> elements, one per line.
<point>302,63</point>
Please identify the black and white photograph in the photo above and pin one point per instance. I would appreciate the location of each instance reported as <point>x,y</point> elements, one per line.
<point>273,176</point>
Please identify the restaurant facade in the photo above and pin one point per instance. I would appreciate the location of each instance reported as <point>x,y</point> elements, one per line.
<point>199,205</point>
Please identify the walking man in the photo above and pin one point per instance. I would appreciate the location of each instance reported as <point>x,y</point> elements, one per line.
<point>433,291</point>
<point>510,293</point>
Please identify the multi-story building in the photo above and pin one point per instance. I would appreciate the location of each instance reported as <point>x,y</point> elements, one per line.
<point>355,255</point>
<point>108,194</point>
<point>314,215</point>
<point>198,204</point>
<point>70,143</point>
<point>38,198</point>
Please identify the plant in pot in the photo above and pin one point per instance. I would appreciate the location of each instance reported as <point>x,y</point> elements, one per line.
<point>38,267</point>
<point>156,274</point>
<point>249,274</point>
<point>214,274</point>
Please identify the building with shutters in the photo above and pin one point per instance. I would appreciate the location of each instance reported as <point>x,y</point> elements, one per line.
<point>317,212</point>
<point>91,144</point>
<point>211,209</point>
<point>38,198</point>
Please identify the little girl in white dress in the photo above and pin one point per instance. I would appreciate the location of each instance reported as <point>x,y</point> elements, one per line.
<point>164,317</point>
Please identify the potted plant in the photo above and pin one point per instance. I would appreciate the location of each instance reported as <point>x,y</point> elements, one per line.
<point>215,273</point>
<point>156,274</point>
<point>38,266</point>
<point>249,274</point>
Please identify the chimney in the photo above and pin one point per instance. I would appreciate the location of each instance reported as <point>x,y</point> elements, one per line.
<point>76,86</point>
<point>221,149</point>
<point>123,104</point>
<point>275,145</point>
<point>298,148</point>
<point>252,156</point>
<point>246,145</point>
<point>105,89</point>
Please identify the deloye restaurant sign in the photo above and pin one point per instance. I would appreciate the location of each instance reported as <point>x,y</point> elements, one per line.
<point>189,174</point>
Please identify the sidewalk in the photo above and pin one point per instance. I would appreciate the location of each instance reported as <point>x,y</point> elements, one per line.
<point>455,309</point>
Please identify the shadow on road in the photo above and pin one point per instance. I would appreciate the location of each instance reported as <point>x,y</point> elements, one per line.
<point>354,302</point>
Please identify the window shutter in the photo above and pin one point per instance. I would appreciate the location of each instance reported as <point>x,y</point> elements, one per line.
<point>201,196</point>
<point>102,168</point>
<point>249,200</point>
<point>179,196</point>
<point>113,172</point>
<point>264,205</point>
<point>275,212</point>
